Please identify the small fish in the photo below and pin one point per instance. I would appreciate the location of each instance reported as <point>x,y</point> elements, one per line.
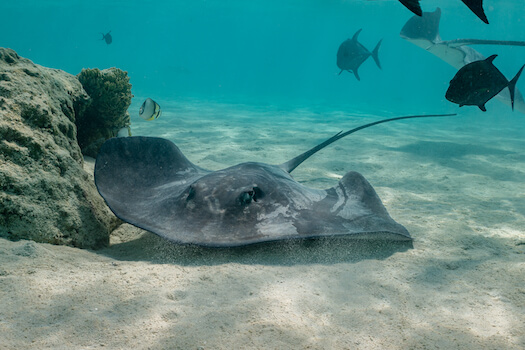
<point>475,6</point>
<point>149,110</point>
<point>351,55</point>
<point>107,37</point>
<point>477,82</point>
<point>124,132</point>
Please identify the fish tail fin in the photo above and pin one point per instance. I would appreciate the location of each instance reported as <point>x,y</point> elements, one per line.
<point>476,6</point>
<point>512,85</point>
<point>375,54</point>
<point>412,5</point>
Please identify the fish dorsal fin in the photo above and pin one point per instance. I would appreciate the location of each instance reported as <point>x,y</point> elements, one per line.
<point>491,58</point>
<point>354,38</point>
<point>290,165</point>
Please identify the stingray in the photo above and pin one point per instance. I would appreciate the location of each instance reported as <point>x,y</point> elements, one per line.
<point>352,54</point>
<point>149,183</point>
<point>424,32</point>
<point>475,6</point>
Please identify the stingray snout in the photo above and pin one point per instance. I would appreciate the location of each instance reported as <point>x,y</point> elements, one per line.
<point>220,196</point>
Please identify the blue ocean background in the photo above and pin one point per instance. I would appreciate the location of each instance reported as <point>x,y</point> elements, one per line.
<point>259,52</point>
<point>240,73</point>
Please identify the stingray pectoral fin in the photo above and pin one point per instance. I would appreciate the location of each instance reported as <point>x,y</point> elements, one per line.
<point>425,27</point>
<point>133,173</point>
<point>512,85</point>
<point>412,5</point>
<point>361,211</point>
<point>142,157</point>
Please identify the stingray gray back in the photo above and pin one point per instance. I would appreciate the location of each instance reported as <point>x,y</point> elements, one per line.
<point>149,183</point>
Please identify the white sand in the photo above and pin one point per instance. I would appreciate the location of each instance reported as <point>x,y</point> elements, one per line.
<point>458,186</point>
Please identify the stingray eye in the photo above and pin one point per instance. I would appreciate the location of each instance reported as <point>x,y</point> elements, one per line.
<point>251,195</point>
<point>191,193</point>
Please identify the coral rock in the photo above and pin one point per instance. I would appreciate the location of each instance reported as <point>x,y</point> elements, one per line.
<point>45,194</point>
<point>107,113</point>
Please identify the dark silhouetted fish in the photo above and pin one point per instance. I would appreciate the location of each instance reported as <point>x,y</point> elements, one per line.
<point>475,6</point>
<point>412,5</point>
<point>107,37</point>
<point>352,54</point>
<point>477,82</point>
<point>424,32</point>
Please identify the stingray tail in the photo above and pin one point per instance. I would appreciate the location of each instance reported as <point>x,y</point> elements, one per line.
<point>375,54</point>
<point>290,165</point>
<point>512,85</point>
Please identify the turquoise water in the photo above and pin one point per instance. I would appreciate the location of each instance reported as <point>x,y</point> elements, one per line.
<point>241,81</point>
<point>259,52</point>
<point>257,80</point>
<point>260,75</point>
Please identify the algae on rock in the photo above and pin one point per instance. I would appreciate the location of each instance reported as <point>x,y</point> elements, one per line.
<point>110,93</point>
<point>45,194</point>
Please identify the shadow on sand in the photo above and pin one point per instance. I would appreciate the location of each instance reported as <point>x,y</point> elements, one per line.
<point>149,247</point>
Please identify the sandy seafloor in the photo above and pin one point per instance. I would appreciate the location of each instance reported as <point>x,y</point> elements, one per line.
<point>457,185</point>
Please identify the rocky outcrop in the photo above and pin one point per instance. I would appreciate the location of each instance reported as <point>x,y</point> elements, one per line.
<point>45,195</point>
<point>107,113</point>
